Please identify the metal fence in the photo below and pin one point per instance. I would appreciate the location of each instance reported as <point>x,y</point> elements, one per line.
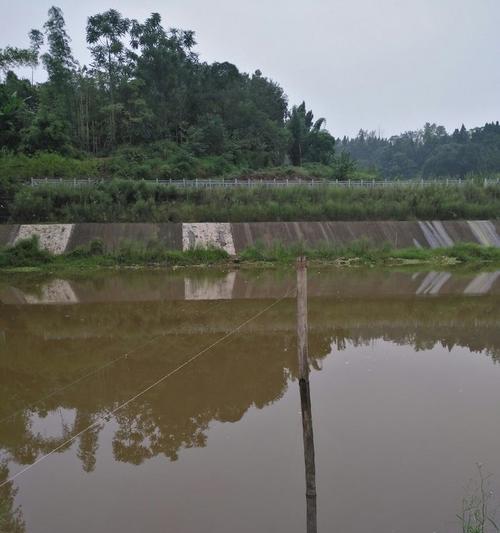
<point>273,183</point>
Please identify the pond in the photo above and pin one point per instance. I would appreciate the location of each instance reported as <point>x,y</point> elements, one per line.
<point>169,401</point>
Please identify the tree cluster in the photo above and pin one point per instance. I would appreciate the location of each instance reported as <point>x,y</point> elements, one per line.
<point>146,86</point>
<point>429,152</point>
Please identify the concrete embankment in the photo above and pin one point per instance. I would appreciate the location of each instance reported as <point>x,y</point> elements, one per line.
<point>235,237</point>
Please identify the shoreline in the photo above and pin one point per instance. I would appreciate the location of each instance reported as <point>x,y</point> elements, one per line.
<point>458,256</point>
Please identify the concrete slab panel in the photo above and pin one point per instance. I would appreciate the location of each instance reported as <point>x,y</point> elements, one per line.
<point>485,232</point>
<point>112,234</point>
<point>8,234</point>
<point>170,235</point>
<point>459,231</point>
<point>52,237</point>
<point>206,234</point>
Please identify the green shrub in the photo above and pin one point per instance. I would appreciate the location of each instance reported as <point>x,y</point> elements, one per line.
<point>24,253</point>
<point>145,201</point>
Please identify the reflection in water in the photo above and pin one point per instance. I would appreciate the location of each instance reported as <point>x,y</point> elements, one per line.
<point>482,283</point>
<point>310,467</point>
<point>72,357</point>
<point>221,285</point>
<point>433,282</point>
<point>11,519</point>
<point>305,396</point>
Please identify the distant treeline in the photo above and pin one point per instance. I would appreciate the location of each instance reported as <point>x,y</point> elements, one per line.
<point>147,95</point>
<point>428,152</point>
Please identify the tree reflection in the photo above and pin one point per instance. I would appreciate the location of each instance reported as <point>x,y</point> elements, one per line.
<point>44,351</point>
<point>11,518</point>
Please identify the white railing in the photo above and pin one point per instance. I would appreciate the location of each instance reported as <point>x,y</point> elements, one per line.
<point>272,183</point>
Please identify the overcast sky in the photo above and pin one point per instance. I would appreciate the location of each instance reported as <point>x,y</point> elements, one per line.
<point>387,65</point>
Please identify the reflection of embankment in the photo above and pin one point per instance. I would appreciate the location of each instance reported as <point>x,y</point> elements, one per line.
<point>149,286</point>
<point>45,348</point>
<point>115,327</point>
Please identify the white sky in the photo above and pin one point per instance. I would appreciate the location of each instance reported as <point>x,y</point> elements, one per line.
<point>388,65</point>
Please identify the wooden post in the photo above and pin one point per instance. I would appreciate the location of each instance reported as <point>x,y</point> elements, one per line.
<point>302,348</point>
<point>305,396</point>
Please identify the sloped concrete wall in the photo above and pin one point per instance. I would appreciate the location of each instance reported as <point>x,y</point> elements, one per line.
<point>235,237</point>
<point>52,237</point>
<point>113,234</point>
<point>202,235</point>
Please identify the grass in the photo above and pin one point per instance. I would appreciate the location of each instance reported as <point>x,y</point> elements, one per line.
<point>477,515</point>
<point>141,201</point>
<point>26,256</point>
<point>155,160</point>
<point>362,252</point>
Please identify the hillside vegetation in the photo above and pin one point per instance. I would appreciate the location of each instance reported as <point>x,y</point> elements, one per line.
<point>141,201</point>
<point>147,107</point>
<point>145,102</point>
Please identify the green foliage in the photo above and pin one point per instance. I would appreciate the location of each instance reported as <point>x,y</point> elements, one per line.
<point>308,141</point>
<point>429,152</point>
<point>362,251</point>
<point>145,86</point>
<point>12,57</point>
<point>24,253</point>
<point>27,254</point>
<point>137,253</point>
<point>58,60</point>
<point>344,167</point>
<point>105,32</point>
<point>141,201</point>
<point>50,165</point>
<point>48,132</point>
<point>12,118</point>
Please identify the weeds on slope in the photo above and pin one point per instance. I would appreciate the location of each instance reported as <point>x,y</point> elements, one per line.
<point>28,255</point>
<point>140,201</point>
<point>363,252</point>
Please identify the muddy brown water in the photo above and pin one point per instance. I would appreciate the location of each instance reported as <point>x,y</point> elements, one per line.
<point>404,384</point>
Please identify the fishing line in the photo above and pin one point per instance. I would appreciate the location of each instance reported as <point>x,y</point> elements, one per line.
<point>102,367</point>
<point>144,391</point>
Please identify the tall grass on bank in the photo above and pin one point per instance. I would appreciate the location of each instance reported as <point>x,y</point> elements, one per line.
<point>140,201</point>
<point>363,252</point>
<point>27,254</point>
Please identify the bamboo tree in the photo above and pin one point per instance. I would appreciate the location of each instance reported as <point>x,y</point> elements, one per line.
<point>104,35</point>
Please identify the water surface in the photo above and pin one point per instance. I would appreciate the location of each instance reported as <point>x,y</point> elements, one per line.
<point>405,391</point>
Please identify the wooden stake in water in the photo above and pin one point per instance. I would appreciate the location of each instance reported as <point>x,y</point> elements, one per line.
<point>302,318</point>
<point>305,395</point>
